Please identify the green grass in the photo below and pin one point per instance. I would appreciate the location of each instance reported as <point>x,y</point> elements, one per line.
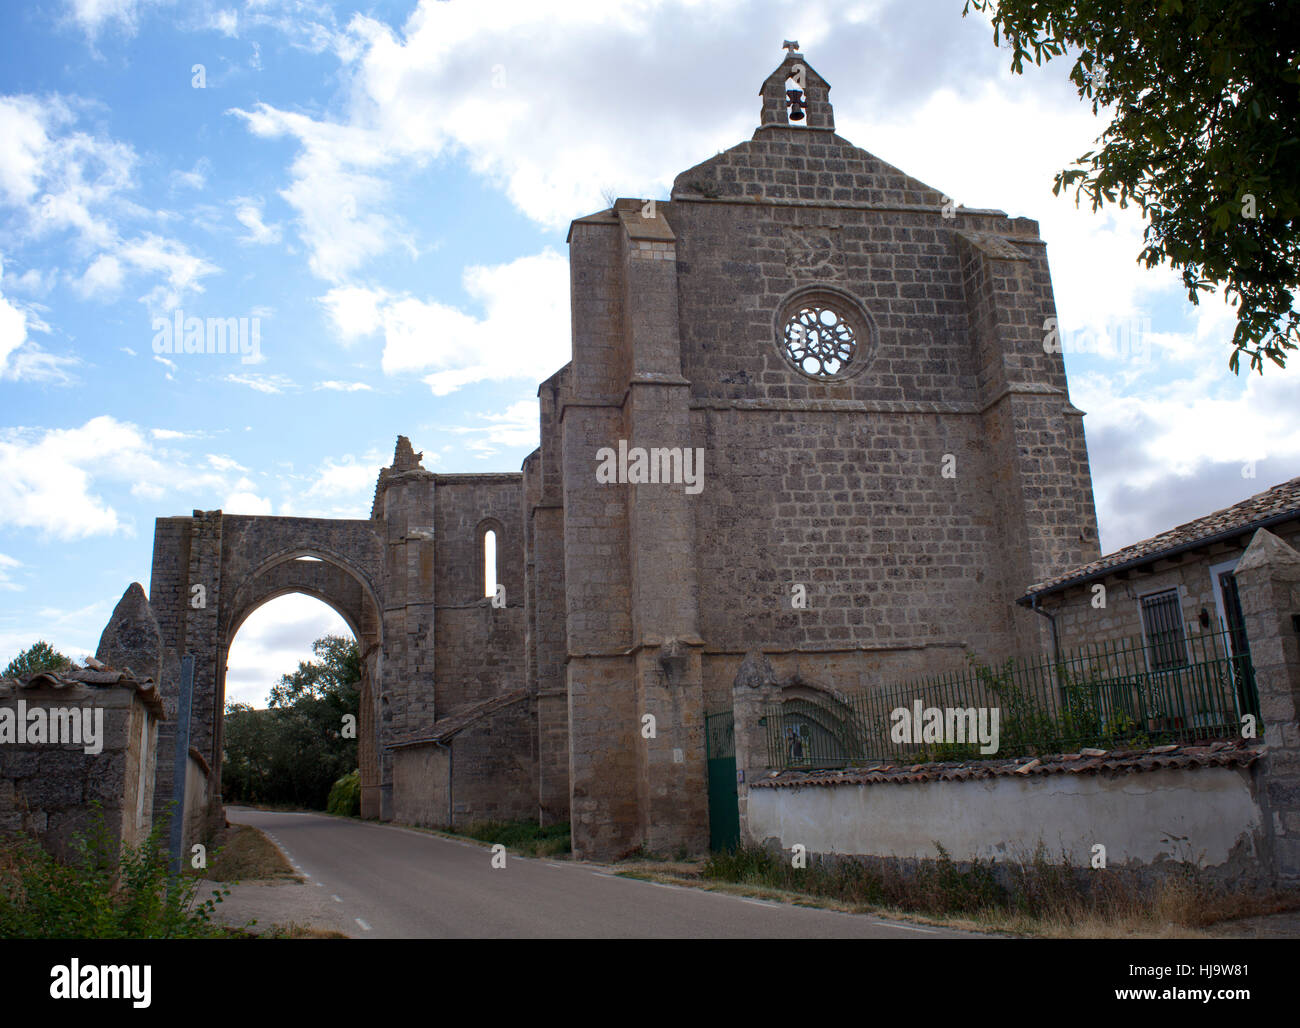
<point>523,837</point>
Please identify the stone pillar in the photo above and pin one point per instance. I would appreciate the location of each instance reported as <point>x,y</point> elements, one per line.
<point>406,665</point>
<point>1035,459</point>
<point>672,777</point>
<point>754,689</point>
<point>1268,580</point>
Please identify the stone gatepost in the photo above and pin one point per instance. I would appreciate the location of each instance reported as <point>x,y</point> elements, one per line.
<point>1268,579</point>
<point>755,688</point>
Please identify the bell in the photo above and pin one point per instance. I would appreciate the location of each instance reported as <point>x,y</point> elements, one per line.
<point>796,103</point>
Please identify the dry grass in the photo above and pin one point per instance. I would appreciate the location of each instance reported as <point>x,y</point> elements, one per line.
<point>1177,908</point>
<point>244,854</point>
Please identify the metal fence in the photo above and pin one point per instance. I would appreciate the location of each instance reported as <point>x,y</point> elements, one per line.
<point>1178,685</point>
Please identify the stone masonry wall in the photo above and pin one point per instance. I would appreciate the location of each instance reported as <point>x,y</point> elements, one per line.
<point>46,789</point>
<point>479,648</point>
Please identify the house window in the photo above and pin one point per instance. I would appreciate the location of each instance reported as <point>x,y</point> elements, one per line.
<point>1162,626</point>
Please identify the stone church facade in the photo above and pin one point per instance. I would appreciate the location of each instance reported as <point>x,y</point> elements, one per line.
<point>809,412</point>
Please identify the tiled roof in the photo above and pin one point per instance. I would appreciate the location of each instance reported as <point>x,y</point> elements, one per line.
<point>1216,754</point>
<point>1276,504</point>
<point>456,723</point>
<point>74,677</point>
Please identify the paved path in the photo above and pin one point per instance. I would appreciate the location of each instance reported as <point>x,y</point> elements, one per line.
<point>382,881</point>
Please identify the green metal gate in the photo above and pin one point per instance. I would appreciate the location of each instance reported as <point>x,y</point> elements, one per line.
<point>724,808</point>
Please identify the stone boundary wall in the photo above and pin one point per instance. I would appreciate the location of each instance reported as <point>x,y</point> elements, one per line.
<point>1207,816</point>
<point>46,788</point>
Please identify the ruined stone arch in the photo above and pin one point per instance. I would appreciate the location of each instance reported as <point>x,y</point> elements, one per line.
<point>239,563</point>
<point>345,589</point>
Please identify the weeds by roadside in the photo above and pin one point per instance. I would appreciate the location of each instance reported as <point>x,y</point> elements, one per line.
<point>1033,894</point>
<point>524,837</point>
<point>101,892</point>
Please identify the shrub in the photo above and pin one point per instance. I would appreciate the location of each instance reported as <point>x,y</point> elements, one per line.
<point>100,892</point>
<point>345,795</point>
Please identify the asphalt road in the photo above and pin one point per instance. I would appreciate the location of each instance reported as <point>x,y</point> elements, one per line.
<point>383,881</point>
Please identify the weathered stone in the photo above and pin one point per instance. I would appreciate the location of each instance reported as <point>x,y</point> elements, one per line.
<point>131,638</point>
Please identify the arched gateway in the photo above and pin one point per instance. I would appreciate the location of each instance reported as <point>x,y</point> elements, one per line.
<point>212,570</point>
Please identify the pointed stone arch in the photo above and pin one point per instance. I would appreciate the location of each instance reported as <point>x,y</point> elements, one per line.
<point>211,571</point>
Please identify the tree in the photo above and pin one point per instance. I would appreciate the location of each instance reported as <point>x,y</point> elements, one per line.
<point>294,751</point>
<point>1205,139</point>
<point>336,672</point>
<point>40,656</point>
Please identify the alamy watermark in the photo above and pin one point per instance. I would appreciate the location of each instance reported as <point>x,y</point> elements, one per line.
<point>1126,340</point>
<point>656,465</point>
<point>179,334</point>
<point>922,724</point>
<point>74,980</point>
<point>55,726</point>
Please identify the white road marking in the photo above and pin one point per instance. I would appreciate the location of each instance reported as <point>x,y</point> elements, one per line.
<point>336,899</point>
<point>364,927</point>
<point>906,927</point>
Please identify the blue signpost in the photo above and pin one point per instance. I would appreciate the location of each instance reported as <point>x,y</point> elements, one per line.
<point>182,761</point>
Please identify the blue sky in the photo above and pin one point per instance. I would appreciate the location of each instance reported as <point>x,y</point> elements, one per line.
<point>386,190</point>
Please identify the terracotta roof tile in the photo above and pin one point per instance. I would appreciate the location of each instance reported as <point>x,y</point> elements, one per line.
<point>1214,754</point>
<point>74,677</point>
<point>1275,503</point>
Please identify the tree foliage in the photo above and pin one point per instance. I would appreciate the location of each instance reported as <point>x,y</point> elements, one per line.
<point>294,751</point>
<point>1205,138</point>
<point>40,656</point>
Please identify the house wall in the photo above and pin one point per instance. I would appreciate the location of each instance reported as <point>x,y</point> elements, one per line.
<point>1080,623</point>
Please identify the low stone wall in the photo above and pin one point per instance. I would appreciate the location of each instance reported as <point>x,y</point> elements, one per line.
<point>47,786</point>
<point>1144,810</point>
<point>198,801</point>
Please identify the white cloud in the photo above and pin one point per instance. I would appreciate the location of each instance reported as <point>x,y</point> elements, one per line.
<point>54,480</point>
<point>196,178</point>
<point>103,279</point>
<point>270,384</point>
<point>347,477</point>
<point>272,642</point>
<point>246,503</point>
<point>21,358</point>
<point>92,16</point>
<point>61,181</point>
<point>219,460</point>
<point>8,564</point>
<point>355,310</point>
<point>523,332</point>
<point>344,387</point>
<point>248,212</point>
<point>516,426</point>
<point>226,22</point>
